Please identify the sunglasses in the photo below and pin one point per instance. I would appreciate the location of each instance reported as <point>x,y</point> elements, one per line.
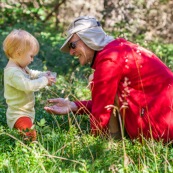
<point>72,45</point>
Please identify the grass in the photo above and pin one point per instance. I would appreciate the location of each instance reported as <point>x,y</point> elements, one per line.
<point>65,145</point>
<point>66,151</point>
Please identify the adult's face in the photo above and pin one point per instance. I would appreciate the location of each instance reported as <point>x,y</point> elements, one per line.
<point>79,49</point>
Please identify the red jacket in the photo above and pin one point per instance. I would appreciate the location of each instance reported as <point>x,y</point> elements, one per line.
<point>144,85</point>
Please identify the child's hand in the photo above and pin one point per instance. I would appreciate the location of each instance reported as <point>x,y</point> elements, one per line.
<point>51,76</point>
<point>51,80</point>
<point>47,73</point>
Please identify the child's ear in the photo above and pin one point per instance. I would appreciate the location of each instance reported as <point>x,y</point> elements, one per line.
<point>18,53</point>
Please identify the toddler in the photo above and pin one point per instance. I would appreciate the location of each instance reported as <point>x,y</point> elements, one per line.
<point>20,82</point>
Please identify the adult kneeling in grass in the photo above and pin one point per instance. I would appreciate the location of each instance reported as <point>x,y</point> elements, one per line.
<point>142,83</point>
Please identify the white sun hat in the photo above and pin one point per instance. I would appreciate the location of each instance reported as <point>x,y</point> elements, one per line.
<point>90,32</point>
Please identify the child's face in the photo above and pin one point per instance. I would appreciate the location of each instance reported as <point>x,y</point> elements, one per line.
<point>25,58</point>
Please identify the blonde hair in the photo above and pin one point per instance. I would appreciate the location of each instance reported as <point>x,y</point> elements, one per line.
<point>20,41</point>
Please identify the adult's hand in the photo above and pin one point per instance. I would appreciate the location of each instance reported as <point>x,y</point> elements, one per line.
<point>60,106</point>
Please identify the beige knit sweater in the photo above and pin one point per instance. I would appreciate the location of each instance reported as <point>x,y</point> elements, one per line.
<point>19,88</point>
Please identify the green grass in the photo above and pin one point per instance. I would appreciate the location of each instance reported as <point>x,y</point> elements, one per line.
<point>65,145</point>
<point>59,150</point>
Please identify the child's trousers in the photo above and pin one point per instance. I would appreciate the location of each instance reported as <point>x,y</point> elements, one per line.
<point>24,124</point>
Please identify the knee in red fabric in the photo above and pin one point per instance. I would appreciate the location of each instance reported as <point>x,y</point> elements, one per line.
<point>24,124</point>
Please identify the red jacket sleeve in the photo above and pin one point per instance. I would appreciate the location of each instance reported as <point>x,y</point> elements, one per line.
<point>84,107</point>
<point>108,71</point>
